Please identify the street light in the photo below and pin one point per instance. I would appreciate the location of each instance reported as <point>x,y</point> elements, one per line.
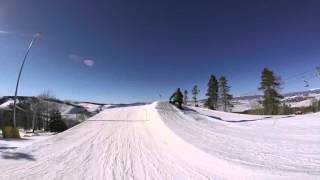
<point>35,37</point>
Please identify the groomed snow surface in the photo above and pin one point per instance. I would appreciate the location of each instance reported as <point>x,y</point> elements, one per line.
<point>158,141</point>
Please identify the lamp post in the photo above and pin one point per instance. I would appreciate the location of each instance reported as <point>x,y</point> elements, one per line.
<point>35,37</point>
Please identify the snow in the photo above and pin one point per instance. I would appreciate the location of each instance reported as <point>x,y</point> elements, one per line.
<point>158,141</point>
<point>277,144</point>
<point>6,104</point>
<point>314,89</point>
<point>91,107</point>
<point>6,145</point>
<point>107,106</point>
<point>72,112</point>
<point>244,105</point>
<point>304,103</point>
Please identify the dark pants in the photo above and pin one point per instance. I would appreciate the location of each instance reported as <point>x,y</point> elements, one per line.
<point>179,103</point>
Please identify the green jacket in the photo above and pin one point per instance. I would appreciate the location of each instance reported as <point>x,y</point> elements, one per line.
<point>177,97</point>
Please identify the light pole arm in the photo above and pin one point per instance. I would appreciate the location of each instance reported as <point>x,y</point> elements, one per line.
<point>18,80</point>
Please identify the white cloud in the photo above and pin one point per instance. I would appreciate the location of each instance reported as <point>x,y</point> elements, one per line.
<point>5,32</point>
<point>88,62</point>
<point>78,59</point>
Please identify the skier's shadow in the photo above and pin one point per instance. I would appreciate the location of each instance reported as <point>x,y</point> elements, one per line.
<point>188,109</point>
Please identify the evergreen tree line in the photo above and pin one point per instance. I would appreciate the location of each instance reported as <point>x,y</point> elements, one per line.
<point>219,97</point>
<point>218,94</point>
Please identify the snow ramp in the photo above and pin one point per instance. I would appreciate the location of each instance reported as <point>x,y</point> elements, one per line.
<point>274,145</point>
<point>127,143</point>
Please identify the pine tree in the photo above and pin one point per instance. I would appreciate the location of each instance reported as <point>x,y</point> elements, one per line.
<point>195,92</point>
<point>56,124</point>
<point>185,97</point>
<point>270,85</point>
<point>212,93</point>
<point>224,93</point>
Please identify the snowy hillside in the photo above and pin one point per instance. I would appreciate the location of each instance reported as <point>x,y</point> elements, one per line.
<point>91,107</point>
<point>70,110</point>
<point>6,104</point>
<point>158,141</point>
<point>295,99</point>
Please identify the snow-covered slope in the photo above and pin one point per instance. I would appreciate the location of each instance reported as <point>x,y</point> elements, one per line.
<point>158,141</point>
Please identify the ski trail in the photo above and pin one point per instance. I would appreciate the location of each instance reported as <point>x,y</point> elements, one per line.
<point>129,143</point>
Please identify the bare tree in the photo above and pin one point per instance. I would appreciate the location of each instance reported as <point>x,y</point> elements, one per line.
<point>41,107</point>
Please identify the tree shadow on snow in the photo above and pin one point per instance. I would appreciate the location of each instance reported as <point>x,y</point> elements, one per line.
<point>238,121</point>
<point>5,148</point>
<point>14,139</point>
<point>216,117</point>
<point>116,120</point>
<point>17,156</point>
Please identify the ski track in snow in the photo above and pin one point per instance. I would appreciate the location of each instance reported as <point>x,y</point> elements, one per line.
<point>158,141</point>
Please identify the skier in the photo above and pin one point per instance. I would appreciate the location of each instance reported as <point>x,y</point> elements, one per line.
<point>177,97</point>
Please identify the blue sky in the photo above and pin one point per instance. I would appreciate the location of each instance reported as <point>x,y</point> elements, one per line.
<point>135,50</point>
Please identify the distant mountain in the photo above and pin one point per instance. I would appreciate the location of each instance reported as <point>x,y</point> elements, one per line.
<point>294,99</point>
<point>297,93</point>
